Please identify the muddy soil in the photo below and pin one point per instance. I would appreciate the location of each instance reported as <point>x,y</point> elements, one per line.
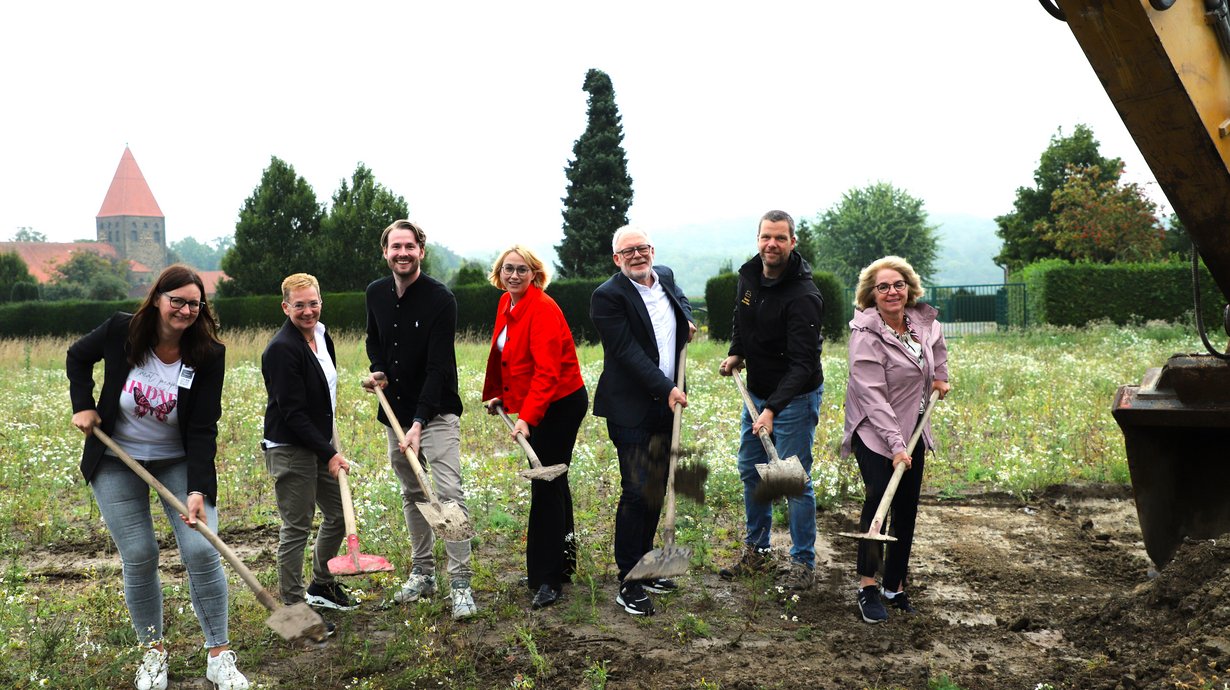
<point>1011,594</point>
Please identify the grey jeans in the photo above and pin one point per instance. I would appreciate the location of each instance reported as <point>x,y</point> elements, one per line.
<point>301,482</point>
<point>440,450</point>
<point>123,500</point>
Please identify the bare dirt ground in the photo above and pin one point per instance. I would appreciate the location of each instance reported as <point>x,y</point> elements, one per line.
<point>1011,594</point>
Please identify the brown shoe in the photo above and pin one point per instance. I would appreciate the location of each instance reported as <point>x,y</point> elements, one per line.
<point>798,577</point>
<point>752,561</point>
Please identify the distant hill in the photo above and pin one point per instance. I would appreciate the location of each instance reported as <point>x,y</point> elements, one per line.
<point>968,246</point>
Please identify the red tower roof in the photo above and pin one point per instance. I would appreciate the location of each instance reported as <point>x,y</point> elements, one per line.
<point>129,195</point>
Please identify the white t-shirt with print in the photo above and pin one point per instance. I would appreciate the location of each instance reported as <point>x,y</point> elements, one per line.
<point>148,425</point>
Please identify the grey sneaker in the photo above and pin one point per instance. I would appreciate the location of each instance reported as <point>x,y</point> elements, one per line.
<point>799,577</point>
<point>420,584</point>
<point>751,562</point>
<point>463,600</point>
<point>152,673</point>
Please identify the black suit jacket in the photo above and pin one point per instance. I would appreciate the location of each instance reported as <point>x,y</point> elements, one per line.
<point>631,381</point>
<point>200,406</point>
<point>299,411</point>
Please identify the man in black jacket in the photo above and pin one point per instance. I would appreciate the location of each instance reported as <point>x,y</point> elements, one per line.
<point>644,321</point>
<point>776,335</point>
<point>299,366</point>
<point>411,328</point>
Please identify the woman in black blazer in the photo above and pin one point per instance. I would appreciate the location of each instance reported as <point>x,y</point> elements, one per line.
<point>161,399</point>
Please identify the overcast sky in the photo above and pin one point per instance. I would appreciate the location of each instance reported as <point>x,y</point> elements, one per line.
<point>470,110</point>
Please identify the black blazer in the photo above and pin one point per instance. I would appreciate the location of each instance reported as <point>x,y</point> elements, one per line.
<point>631,381</point>
<point>200,406</point>
<point>299,411</point>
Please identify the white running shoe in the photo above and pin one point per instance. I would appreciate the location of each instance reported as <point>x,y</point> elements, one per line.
<point>220,670</point>
<point>152,673</point>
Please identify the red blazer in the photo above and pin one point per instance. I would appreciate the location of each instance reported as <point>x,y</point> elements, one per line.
<point>539,363</point>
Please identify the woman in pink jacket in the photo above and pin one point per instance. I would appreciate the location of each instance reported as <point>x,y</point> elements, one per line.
<point>897,357</point>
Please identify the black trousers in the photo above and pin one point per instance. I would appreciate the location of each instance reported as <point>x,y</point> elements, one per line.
<point>643,462</point>
<point>877,470</point>
<point>550,554</point>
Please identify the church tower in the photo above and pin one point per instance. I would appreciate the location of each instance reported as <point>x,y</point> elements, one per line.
<point>130,219</point>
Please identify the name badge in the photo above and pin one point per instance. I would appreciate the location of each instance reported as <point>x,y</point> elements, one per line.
<point>186,374</point>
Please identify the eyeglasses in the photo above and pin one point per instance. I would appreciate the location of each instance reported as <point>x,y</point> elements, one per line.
<point>632,251</point>
<point>898,286</point>
<point>300,306</point>
<point>178,303</point>
<point>509,269</point>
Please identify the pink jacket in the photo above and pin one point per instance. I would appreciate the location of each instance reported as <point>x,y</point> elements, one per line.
<point>887,383</point>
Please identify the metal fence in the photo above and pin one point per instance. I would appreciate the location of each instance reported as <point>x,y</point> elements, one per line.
<point>974,309</point>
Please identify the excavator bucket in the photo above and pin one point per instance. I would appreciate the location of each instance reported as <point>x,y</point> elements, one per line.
<point>1176,429</point>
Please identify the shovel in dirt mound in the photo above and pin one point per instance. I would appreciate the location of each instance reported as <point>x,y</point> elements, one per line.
<point>446,518</point>
<point>777,477</point>
<point>290,622</point>
<point>536,470</point>
<point>877,523</point>
<point>670,560</point>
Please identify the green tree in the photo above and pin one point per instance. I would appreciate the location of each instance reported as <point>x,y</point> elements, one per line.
<point>273,238</point>
<point>13,272</point>
<point>26,234</point>
<point>200,255</point>
<point>599,187</point>
<point>1102,220</point>
<point>1177,244</point>
<point>347,255</point>
<point>871,222</point>
<point>1024,228</point>
<point>471,273</point>
<point>89,275</point>
<point>807,235</point>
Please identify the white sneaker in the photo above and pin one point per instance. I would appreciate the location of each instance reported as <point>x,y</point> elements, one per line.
<point>152,673</point>
<point>220,670</point>
<point>420,584</point>
<point>463,602</point>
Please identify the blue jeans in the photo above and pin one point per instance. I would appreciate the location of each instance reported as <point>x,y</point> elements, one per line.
<point>123,500</point>
<point>794,431</point>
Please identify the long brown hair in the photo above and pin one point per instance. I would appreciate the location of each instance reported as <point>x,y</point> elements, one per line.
<point>198,342</point>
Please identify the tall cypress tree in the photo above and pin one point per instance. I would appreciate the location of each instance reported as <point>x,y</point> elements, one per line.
<point>599,187</point>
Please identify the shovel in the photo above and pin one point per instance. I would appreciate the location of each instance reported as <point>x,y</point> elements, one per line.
<point>670,560</point>
<point>354,562</point>
<point>777,477</point>
<point>873,530</point>
<point>446,518</point>
<point>291,622</point>
<point>536,470</point>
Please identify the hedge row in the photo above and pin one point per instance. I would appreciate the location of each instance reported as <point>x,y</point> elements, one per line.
<point>476,306</point>
<point>720,298</point>
<point>1065,294</point>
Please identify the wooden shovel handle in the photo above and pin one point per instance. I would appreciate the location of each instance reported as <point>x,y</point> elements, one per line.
<point>262,594</point>
<point>899,470</point>
<point>765,439</point>
<point>668,525</point>
<point>343,483</point>
<point>401,436</point>
<point>521,439</point>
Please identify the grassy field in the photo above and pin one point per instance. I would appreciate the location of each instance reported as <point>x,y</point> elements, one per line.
<point>1027,410</point>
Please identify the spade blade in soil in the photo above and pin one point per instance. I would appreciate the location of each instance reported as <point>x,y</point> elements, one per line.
<point>297,622</point>
<point>545,474</point>
<point>668,561</point>
<point>353,562</point>
<point>447,520</point>
<point>781,478</point>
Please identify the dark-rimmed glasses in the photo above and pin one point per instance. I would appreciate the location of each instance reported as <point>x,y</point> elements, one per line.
<point>898,286</point>
<point>629,252</point>
<point>178,303</point>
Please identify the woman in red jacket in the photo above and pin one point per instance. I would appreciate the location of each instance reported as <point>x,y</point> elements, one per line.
<point>532,371</point>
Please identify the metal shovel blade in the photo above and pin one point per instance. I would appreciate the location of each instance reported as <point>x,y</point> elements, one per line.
<point>780,478</point>
<point>447,520</point>
<point>668,561</point>
<point>297,622</point>
<point>353,562</point>
<point>545,474</point>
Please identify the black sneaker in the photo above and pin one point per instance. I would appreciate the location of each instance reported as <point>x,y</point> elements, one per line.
<point>870,606</point>
<point>546,596</point>
<point>634,600</point>
<point>659,585</point>
<point>331,595</point>
<point>901,602</point>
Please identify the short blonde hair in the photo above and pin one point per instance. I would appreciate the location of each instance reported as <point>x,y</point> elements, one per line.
<point>298,281</point>
<point>863,294</point>
<point>541,277</point>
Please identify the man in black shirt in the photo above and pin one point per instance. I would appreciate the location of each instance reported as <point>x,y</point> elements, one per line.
<point>411,325</point>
